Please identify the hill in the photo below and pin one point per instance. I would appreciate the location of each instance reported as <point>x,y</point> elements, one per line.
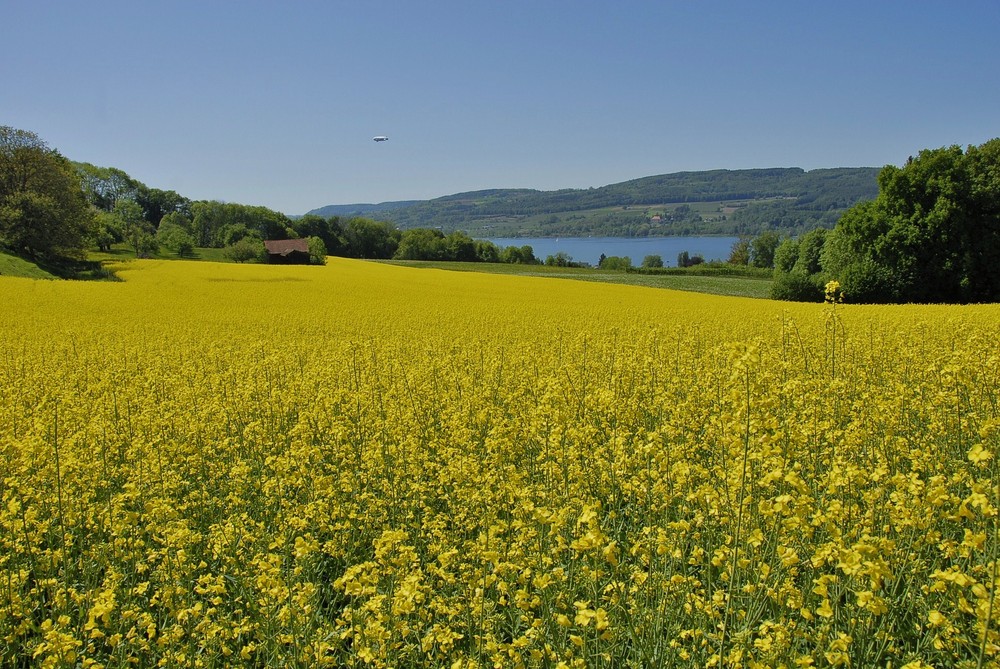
<point>361,209</point>
<point>11,265</point>
<point>707,202</point>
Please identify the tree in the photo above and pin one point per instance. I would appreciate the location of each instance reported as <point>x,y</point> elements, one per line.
<point>740,253</point>
<point>762,248</point>
<point>137,232</point>
<point>519,255</point>
<point>810,246</point>
<point>327,229</point>
<point>106,230</point>
<point>931,235</point>
<point>796,286</point>
<point>105,186</point>
<point>560,259</point>
<point>487,251</point>
<point>652,261</point>
<point>616,263</point>
<point>175,238</point>
<point>371,239</point>
<point>317,251</point>
<point>177,218</point>
<point>158,203</point>
<point>421,244</point>
<point>246,249</point>
<point>460,247</point>
<point>43,212</point>
<point>786,255</point>
<point>210,219</point>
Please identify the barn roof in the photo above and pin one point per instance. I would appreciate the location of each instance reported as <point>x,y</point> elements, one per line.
<point>283,247</point>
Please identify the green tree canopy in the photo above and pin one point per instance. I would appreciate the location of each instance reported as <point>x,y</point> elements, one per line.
<point>786,255</point>
<point>104,186</point>
<point>137,231</point>
<point>421,244</point>
<point>43,212</point>
<point>652,261</point>
<point>762,248</point>
<point>317,251</point>
<point>212,223</point>
<point>327,229</point>
<point>931,235</point>
<point>158,203</point>
<point>371,239</point>
<point>175,238</point>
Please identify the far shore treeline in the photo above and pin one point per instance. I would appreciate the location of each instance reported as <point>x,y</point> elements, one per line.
<point>932,233</point>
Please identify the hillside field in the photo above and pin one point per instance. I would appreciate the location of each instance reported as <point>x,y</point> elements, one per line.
<point>370,465</point>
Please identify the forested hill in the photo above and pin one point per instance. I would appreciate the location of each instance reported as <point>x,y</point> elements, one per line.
<point>361,209</point>
<point>709,202</point>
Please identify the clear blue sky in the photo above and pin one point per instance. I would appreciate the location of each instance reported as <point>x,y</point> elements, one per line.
<point>276,103</point>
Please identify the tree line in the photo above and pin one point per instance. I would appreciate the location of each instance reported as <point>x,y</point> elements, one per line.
<point>53,209</point>
<point>931,235</point>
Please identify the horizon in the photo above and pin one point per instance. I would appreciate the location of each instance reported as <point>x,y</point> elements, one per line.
<point>278,106</point>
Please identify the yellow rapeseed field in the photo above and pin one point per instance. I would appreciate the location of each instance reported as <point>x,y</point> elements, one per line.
<point>372,466</point>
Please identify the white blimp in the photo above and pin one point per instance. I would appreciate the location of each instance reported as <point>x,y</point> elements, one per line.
<point>380,138</point>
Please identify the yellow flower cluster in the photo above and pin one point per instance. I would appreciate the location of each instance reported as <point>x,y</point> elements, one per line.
<point>373,466</point>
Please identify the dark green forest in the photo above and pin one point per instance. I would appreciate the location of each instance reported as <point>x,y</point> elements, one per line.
<point>932,234</point>
<point>790,200</point>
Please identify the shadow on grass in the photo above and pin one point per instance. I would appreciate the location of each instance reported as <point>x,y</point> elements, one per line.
<point>77,270</point>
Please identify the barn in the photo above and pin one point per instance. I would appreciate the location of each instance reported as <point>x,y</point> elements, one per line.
<point>287,251</point>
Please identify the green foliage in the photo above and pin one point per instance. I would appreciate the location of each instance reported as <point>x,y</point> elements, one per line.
<point>652,261</point>
<point>740,253</point>
<point>138,233</point>
<point>217,224</point>
<point>786,255</point>
<point>156,203</point>
<point>931,235</point>
<point>867,281</point>
<point>837,253</point>
<point>789,199</point>
<point>420,244</point>
<point>720,269</point>
<point>560,259</point>
<point>105,186</point>
<point>810,247</point>
<point>246,250</point>
<point>371,239</point>
<point>43,212</point>
<point>797,286</point>
<point>487,251</point>
<point>317,251</point>
<point>616,263</point>
<point>106,230</point>
<point>519,255</point>
<point>460,246</point>
<point>327,229</point>
<point>231,233</point>
<point>685,259</point>
<point>175,238</point>
<point>762,248</point>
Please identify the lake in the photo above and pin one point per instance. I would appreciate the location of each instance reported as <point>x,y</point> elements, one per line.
<point>589,249</point>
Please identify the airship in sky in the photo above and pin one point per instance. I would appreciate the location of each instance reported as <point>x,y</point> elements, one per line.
<point>380,138</point>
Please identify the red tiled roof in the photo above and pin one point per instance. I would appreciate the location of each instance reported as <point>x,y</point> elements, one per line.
<point>282,247</point>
